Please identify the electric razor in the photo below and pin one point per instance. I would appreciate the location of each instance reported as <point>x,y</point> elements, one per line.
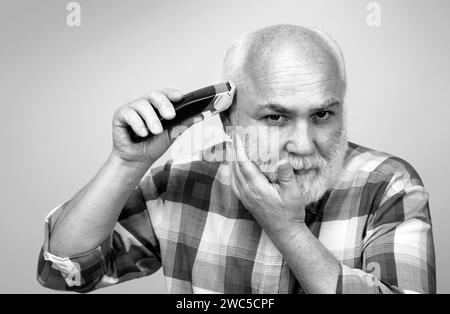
<point>212,99</point>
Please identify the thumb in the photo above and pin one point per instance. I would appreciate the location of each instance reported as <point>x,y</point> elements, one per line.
<point>285,172</point>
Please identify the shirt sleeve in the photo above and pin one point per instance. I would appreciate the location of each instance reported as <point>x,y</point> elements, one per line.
<point>131,251</point>
<point>398,254</point>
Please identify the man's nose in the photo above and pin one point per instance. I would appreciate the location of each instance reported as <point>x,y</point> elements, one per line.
<point>300,140</point>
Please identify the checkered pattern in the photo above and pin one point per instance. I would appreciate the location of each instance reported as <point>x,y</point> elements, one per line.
<point>185,218</point>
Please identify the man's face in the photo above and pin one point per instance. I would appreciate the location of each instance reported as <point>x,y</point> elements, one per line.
<point>304,100</point>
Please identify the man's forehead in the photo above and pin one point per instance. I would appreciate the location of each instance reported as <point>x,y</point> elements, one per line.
<point>296,77</point>
<point>288,82</point>
<point>295,96</point>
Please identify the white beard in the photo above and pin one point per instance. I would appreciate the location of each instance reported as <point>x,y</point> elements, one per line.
<point>314,184</point>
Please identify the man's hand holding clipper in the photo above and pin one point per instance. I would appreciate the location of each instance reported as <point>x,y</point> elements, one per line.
<point>140,116</point>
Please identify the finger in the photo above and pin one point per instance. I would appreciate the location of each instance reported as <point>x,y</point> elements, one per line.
<point>145,110</point>
<point>234,184</point>
<point>241,182</point>
<point>285,173</point>
<point>162,104</point>
<point>241,157</point>
<point>131,118</point>
<point>174,95</point>
<point>248,168</point>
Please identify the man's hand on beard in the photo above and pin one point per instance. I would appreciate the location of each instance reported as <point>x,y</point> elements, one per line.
<point>276,206</point>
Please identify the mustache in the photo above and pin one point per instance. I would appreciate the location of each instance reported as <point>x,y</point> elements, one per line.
<point>306,163</point>
<point>317,160</point>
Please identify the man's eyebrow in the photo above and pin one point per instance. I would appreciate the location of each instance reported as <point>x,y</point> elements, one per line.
<point>328,105</point>
<point>273,107</point>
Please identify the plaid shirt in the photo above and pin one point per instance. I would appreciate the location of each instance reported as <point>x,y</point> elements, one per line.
<point>185,218</point>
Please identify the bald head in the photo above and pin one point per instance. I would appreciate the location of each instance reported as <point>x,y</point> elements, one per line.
<point>285,57</point>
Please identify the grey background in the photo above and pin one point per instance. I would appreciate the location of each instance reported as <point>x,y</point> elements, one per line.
<point>59,87</point>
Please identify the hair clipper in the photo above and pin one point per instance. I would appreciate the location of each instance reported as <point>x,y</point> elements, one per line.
<point>214,98</point>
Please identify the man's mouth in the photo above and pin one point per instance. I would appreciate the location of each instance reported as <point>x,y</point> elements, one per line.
<point>303,172</point>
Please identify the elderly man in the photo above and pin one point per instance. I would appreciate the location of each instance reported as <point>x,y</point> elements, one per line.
<point>332,217</point>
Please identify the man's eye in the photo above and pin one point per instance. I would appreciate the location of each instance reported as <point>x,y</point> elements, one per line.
<point>322,115</point>
<point>276,118</point>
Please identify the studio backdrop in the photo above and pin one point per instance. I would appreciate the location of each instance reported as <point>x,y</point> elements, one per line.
<point>66,66</point>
